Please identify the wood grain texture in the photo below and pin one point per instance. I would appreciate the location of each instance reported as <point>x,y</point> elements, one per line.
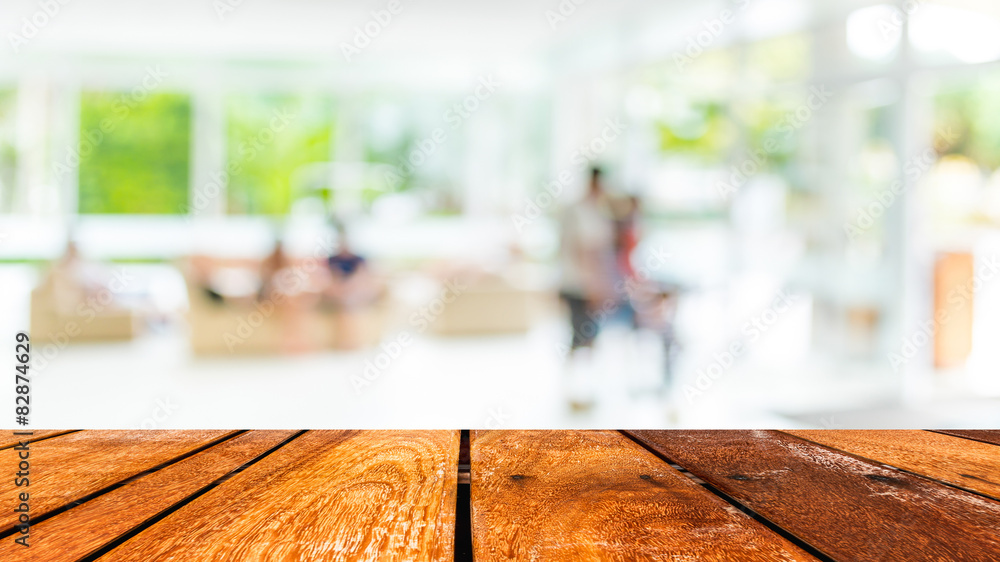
<point>10,440</point>
<point>86,528</point>
<point>586,495</point>
<point>969,464</point>
<point>69,467</point>
<point>984,435</point>
<point>847,508</point>
<point>327,495</point>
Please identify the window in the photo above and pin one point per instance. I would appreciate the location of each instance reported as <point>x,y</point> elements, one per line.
<point>134,154</point>
<point>270,139</point>
<point>971,111</point>
<point>8,150</point>
<point>962,190</point>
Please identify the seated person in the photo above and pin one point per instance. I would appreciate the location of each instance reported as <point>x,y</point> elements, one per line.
<point>351,283</point>
<point>89,300</point>
<point>76,280</point>
<point>273,277</point>
<point>285,280</point>
<point>293,295</point>
<point>353,290</point>
<point>244,282</point>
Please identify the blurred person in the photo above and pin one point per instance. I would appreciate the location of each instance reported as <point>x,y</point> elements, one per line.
<point>655,310</point>
<point>352,283</point>
<point>75,279</point>
<point>106,300</point>
<point>277,262</point>
<point>352,289</point>
<point>627,236</point>
<point>644,303</point>
<point>275,295</point>
<point>587,264</point>
<point>628,232</point>
<point>292,293</point>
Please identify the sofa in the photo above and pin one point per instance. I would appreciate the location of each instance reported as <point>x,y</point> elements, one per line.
<point>269,326</point>
<point>492,304</point>
<point>60,315</point>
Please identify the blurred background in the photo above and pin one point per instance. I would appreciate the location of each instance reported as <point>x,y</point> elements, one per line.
<point>361,214</point>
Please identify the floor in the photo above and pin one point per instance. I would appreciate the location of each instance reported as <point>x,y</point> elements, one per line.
<point>507,382</point>
<point>520,381</point>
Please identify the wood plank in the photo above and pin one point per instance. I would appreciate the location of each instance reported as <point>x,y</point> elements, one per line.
<point>374,495</point>
<point>69,467</point>
<point>847,508</point>
<point>12,440</point>
<point>596,495</point>
<point>84,529</point>
<point>984,435</point>
<point>968,464</point>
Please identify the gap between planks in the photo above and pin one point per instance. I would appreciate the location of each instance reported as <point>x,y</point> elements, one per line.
<point>42,435</point>
<point>121,539</point>
<point>961,481</point>
<point>79,501</point>
<point>732,501</point>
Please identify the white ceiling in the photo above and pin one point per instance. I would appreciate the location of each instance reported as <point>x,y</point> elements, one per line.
<point>432,43</point>
<point>310,28</point>
<point>427,37</point>
<point>306,28</point>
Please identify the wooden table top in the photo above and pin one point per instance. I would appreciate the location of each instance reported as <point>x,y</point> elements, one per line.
<point>505,495</point>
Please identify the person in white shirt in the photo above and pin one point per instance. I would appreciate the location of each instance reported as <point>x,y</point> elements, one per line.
<point>587,260</point>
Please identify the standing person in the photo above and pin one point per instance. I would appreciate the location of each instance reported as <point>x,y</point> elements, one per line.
<point>587,262</point>
<point>627,236</point>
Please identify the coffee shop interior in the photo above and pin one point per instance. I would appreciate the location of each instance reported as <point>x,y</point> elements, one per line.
<point>557,214</point>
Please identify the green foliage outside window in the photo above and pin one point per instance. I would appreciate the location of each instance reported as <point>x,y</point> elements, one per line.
<point>8,149</point>
<point>134,154</point>
<point>704,131</point>
<point>972,113</point>
<point>269,138</point>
